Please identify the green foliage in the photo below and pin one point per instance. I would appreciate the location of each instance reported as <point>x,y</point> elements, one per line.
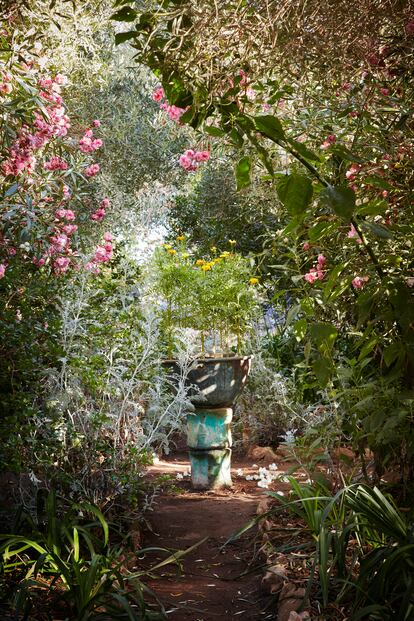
<point>66,560</point>
<point>215,295</point>
<point>363,548</point>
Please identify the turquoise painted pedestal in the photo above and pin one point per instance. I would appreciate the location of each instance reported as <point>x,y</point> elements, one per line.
<point>214,385</point>
<point>209,443</point>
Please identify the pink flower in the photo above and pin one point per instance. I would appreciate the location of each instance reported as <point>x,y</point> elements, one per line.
<point>158,95</point>
<point>66,214</point>
<point>56,163</point>
<point>105,203</point>
<point>7,77</point>
<point>92,170</point>
<point>265,107</point>
<point>306,246</point>
<point>61,79</point>
<point>6,88</point>
<point>352,234</point>
<point>325,145</point>
<point>385,91</point>
<point>185,161</point>
<point>2,270</point>
<point>98,215</point>
<point>97,143</point>
<point>108,237</point>
<point>11,251</point>
<point>310,278</point>
<point>321,260</point>
<point>69,229</point>
<point>61,264</point>
<point>101,254</point>
<point>202,156</point>
<point>359,281</point>
<point>320,274</point>
<point>96,123</point>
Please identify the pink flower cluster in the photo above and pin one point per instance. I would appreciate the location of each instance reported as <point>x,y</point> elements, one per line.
<point>174,112</point>
<point>190,159</point>
<point>2,269</point>
<point>92,170</point>
<point>56,163</point>
<point>103,254</point>
<point>99,214</point>
<point>317,272</point>
<point>88,143</point>
<point>21,155</point>
<point>65,214</point>
<point>51,88</point>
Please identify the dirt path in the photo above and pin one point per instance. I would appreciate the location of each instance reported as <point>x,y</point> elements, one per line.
<point>210,585</point>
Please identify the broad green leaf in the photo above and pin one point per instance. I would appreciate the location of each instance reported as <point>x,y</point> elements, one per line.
<point>323,333</point>
<point>214,131</point>
<point>391,353</point>
<point>376,207</point>
<point>243,170</point>
<point>340,199</point>
<point>299,329</point>
<point>121,37</point>
<point>303,150</point>
<point>322,369</point>
<point>295,192</point>
<point>270,126</point>
<point>126,14</point>
<point>379,230</point>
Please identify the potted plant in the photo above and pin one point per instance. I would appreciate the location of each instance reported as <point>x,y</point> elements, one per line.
<point>217,297</point>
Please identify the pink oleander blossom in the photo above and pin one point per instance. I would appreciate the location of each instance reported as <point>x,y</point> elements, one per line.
<point>56,163</point>
<point>359,281</point>
<point>69,229</point>
<point>61,265</point>
<point>158,95</point>
<point>108,236</point>
<point>306,246</point>
<point>2,270</point>
<point>92,170</point>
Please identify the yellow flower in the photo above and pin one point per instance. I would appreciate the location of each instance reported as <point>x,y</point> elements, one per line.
<point>225,254</point>
<point>213,249</point>
<point>171,251</point>
<point>215,261</point>
<point>200,262</point>
<point>232,242</point>
<point>206,267</point>
<point>167,246</point>
<point>253,281</point>
<point>181,238</point>
<point>185,255</point>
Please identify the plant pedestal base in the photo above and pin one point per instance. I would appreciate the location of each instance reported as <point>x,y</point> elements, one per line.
<point>209,442</point>
<point>211,469</point>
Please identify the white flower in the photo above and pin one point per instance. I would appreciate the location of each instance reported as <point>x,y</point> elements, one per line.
<point>255,466</point>
<point>249,477</point>
<point>263,483</point>
<point>239,472</point>
<point>179,476</point>
<point>273,466</point>
<point>280,493</point>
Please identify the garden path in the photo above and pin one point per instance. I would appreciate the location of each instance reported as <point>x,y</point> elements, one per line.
<point>210,586</point>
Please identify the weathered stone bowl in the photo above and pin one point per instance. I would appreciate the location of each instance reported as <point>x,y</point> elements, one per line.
<point>215,382</point>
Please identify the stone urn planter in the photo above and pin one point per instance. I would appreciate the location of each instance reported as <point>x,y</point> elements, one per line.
<point>215,384</point>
